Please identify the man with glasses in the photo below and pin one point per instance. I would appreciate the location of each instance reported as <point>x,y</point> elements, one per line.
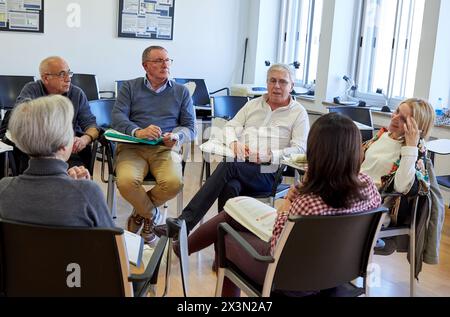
<point>55,80</point>
<point>156,108</point>
<point>262,132</point>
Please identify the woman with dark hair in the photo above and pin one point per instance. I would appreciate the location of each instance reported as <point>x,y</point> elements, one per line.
<point>332,185</point>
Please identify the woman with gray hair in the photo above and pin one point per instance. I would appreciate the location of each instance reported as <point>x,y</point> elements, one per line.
<point>49,194</point>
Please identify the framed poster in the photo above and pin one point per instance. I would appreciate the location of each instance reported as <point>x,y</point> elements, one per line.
<point>147,19</point>
<point>22,15</point>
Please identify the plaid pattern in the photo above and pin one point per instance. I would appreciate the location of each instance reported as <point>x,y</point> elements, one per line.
<point>313,205</point>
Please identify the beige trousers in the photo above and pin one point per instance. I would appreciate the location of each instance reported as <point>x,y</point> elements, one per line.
<point>134,162</point>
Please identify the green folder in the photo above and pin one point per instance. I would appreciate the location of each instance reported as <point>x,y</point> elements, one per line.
<point>114,135</point>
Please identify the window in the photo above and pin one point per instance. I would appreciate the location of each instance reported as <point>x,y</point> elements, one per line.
<point>388,51</point>
<point>300,23</point>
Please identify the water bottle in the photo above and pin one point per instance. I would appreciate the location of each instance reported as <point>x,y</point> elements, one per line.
<point>439,107</point>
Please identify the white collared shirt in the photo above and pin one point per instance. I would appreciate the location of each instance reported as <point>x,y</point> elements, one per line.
<point>282,132</point>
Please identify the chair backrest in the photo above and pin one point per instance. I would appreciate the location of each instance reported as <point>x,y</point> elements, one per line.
<point>322,252</point>
<point>359,114</point>
<point>41,260</point>
<point>102,110</point>
<point>118,85</point>
<point>227,106</point>
<point>10,88</point>
<point>201,93</point>
<point>88,83</point>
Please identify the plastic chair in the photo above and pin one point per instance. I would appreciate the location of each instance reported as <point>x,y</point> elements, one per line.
<point>306,259</point>
<point>201,96</point>
<point>102,110</point>
<point>10,88</point>
<point>405,230</point>
<point>223,107</point>
<point>39,260</point>
<point>88,83</point>
<point>227,107</point>
<point>359,114</point>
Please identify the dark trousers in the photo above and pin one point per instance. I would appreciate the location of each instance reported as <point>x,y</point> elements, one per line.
<point>230,179</point>
<point>206,235</point>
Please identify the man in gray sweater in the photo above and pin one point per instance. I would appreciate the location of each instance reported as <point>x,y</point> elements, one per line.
<point>56,80</point>
<point>153,108</point>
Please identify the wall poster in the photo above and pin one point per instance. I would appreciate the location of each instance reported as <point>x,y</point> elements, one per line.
<point>148,19</point>
<point>22,15</point>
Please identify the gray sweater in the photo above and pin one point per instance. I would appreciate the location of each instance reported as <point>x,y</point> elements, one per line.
<point>138,107</point>
<point>83,118</point>
<point>46,195</point>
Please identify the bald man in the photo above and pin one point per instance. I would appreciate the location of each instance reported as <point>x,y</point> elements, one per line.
<point>55,80</point>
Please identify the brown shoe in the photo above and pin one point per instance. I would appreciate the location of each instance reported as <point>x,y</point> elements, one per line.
<point>134,222</point>
<point>147,231</point>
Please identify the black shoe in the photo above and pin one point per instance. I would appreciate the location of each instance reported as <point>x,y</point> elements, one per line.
<point>389,247</point>
<point>160,230</point>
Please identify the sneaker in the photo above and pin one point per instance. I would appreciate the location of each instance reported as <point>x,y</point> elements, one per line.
<point>147,231</point>
<point>134,222</point>
<point>389,247</point>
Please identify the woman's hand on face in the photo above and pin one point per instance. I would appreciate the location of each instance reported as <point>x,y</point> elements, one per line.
<point>412,132</point>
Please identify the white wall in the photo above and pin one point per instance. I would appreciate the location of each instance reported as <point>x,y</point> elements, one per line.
<point>208,42</point>
<point>263,30</point>
<point>440,80</point>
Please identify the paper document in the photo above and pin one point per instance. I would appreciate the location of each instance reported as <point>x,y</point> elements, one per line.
<point>254,215</point>
<point>135,246</point>
<point>216,147</point>
<point>113,135</point>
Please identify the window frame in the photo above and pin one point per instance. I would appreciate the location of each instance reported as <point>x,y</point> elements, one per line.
<point>376,99</point>
<point>289,43</point>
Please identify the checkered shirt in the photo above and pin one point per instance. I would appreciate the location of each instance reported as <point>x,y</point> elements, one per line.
<point>313,205</point>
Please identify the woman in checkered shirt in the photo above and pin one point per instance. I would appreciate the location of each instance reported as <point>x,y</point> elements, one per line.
<point>332,185</point>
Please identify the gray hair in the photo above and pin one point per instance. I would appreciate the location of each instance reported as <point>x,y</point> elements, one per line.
<point>42,126</point>
<point>148,50</point>
<point>43,66</point>
<point>282,68</point>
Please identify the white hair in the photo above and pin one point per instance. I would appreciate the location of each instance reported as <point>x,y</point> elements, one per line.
<point>42,126</point>
<point>283,68</point>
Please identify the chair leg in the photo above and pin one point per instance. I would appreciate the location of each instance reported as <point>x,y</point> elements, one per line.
<point>111,197</point>
<point>219,283</point>
<point>180,202</point>
<point>412,261</point>
<point>168,267</point>
<point>202,172</point>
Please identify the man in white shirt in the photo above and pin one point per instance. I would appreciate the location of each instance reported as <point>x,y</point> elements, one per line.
<point>264,130</point>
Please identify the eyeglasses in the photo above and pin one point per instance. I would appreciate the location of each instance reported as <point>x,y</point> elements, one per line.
<point>281,82</point>
<point>161,61</point>
<point>61,74</point>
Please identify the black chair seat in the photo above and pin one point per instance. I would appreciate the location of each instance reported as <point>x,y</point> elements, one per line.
<point>444,180</point>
